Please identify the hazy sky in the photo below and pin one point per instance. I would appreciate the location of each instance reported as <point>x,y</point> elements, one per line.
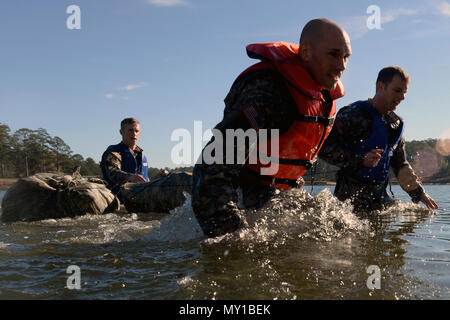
<point>171,62</point>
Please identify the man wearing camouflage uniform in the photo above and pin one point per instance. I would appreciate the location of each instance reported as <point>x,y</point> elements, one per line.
<point>263,99</point>
<point>125,162</point>
<point>366,140</point>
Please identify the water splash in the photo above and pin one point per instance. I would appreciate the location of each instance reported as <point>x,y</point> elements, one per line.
<point>295,214</point>
<point>399,213</point>
<point>291,214</point>
<point>179,226</point>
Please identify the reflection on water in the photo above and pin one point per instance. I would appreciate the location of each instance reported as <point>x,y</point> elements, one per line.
<point>296,247</point>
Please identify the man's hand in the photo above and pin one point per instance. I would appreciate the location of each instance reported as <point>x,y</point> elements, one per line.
<point>136,178</point>
<point>300,183</point>
<point>372,158</point>
<point>428,201</point>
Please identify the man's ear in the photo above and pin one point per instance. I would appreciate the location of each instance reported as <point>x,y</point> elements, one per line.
<point>380,86</point>
<point>305,52</point>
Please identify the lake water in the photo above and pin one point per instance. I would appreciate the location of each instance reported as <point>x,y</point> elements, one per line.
<point>298,247</point>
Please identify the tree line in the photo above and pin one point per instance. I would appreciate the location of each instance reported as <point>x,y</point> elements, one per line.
<point>26,152</point>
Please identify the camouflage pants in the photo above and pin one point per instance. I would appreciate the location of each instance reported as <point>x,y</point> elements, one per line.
<point>217,204</point>
<point>363,196</point>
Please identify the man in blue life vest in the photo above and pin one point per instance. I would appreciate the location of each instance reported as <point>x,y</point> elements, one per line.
<point>125,162</point>
<point>366,141</point>
<point>293,90</point>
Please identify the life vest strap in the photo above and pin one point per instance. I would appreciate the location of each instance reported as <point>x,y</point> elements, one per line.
<point>289,182</point>
<point>270,180</point>
<point>296,162</point>
<point>327,122</point>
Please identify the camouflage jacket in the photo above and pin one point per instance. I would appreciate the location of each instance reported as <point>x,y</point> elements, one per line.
<point>112,166</point>
<point>214,194</point>
<point>351,127</point>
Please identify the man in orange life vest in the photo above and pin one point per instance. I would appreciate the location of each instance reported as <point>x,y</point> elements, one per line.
<point>293,89</point>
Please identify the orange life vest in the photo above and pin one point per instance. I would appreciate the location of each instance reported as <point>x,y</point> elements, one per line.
<point>300,144</point>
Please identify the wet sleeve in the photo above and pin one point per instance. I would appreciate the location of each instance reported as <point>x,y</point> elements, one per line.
<point>111,164</point>
<point>350,128</point>
<point>405,174</point>
<point>214,198</point>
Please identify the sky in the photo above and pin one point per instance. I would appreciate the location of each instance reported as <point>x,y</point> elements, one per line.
<point>169,63</point>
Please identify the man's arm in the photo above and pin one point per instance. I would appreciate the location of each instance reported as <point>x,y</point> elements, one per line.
<point>408,179</point>
<point>261,100</point>
<point>111,164</point>
<point>350,128</point>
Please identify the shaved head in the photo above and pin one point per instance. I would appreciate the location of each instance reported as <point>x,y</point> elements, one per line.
<point>324,51</point>
<point>315,30</point>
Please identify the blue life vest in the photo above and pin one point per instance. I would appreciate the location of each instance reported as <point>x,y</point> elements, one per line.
<point>378,139</point>
<point>129,164</point>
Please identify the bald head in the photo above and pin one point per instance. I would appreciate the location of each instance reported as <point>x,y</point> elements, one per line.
<point>315,31</point>
<point>324,51</point>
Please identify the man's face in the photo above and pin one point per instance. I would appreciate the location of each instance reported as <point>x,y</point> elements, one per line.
<point>130,134</point>
<point>392,93</point>
<point>328,59</point>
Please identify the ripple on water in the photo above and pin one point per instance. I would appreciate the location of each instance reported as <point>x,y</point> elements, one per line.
<point>296,246</point>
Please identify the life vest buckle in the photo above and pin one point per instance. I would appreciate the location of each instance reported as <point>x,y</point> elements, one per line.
<point>327,122</point>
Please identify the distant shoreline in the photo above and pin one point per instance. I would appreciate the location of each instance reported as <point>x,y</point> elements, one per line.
<point>6,183</point>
